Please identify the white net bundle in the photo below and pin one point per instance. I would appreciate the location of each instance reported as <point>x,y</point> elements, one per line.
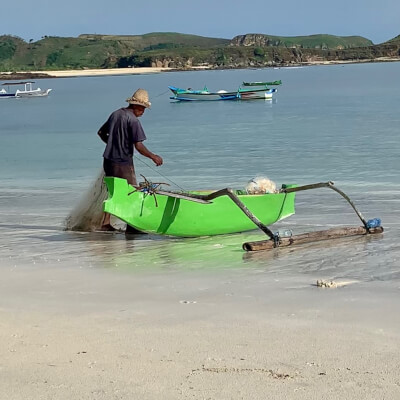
<point>88,214</point>
<point>261,185</point>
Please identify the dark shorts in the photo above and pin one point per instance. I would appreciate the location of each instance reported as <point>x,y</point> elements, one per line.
<point>124,171</point>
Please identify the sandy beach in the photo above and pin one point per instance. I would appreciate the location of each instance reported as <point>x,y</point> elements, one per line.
<point>68,332</point>
<point>99,72</point>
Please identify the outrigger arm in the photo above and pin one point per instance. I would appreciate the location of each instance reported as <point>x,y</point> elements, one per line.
<point>330,185</point>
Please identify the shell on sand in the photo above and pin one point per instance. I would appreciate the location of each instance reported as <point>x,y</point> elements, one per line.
<point>333,284</point>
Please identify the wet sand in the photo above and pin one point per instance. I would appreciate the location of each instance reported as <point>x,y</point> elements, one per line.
<point>70,332</point>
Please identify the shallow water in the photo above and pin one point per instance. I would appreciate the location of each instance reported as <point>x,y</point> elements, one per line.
<point>336,123</point>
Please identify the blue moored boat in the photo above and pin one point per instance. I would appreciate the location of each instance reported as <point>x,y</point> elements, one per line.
<point>204,94</point>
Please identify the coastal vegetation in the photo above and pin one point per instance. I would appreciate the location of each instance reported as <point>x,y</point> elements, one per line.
<point>182,51</point>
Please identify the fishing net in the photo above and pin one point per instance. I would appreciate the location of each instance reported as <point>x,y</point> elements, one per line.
<point>261,185</point>
<point>88,214</point>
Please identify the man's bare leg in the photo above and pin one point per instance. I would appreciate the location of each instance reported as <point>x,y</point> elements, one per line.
<point>106,224</point>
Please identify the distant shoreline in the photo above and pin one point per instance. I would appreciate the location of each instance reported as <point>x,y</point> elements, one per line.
<point>79,73</point>
<point>156,70</point>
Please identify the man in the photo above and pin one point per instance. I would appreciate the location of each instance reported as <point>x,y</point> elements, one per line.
<point>122,133</point>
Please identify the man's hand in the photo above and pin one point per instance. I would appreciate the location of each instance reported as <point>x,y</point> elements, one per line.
<point>157,160</point>
<point>144,151</point>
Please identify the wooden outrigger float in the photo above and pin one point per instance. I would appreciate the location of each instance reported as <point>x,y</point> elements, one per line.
<point>334,233</point>
<point>195,214</point>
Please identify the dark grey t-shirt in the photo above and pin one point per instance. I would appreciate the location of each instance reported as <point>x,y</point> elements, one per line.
<point>124,130</point>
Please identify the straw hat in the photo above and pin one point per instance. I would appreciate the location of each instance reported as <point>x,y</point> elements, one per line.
<point>140,97</point>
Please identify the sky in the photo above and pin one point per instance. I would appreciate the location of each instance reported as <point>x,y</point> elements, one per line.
<point>33,19</point>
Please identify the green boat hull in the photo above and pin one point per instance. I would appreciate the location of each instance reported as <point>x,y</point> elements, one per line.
<point>180,217</point>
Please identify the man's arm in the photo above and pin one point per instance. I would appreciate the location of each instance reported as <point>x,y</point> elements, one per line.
<point>144,151</point>
<point>103,133</point>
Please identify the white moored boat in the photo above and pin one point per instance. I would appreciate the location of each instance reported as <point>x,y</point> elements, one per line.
<point>27,90</point>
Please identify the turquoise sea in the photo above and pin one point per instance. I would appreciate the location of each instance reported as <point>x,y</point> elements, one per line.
<point>338,123</point>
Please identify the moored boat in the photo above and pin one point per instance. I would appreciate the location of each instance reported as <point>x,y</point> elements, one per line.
<point>271,83</point>
<point>205,94</point>
<point>196,213</point>
<point>27,90</point>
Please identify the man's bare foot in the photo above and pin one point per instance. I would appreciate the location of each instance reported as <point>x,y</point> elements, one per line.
<point>108,228</point>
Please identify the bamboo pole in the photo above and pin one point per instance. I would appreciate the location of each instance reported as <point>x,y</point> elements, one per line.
<point>184,196</point>
<point>329,234</point>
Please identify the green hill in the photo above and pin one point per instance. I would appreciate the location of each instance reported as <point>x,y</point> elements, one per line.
<point>55,53</point>
<point>90,51</point>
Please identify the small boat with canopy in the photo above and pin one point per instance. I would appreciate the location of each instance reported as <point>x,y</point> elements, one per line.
<point>27,90</point>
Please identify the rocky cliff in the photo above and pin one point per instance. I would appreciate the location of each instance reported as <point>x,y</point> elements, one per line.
<point>304,42</point>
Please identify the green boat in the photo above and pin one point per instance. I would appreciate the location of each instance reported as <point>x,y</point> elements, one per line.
<point>196,213</point>
<point>272,83</point>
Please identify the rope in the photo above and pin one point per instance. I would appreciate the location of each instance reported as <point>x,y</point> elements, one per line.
<point>159,173</point>
<point>283,205</point>
<point>161,94</point>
